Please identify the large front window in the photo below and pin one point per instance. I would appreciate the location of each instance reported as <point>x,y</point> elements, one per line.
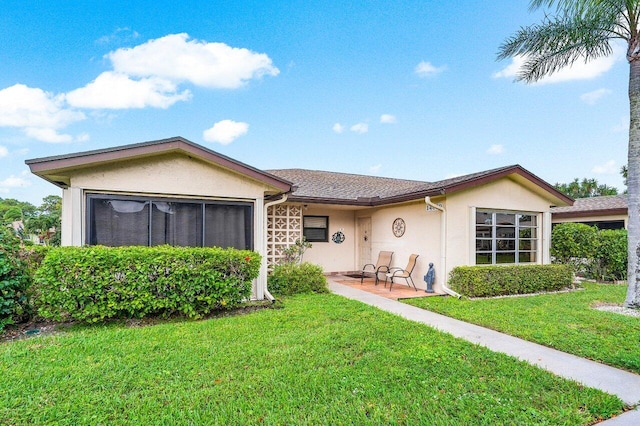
<point>506,237</point>
<point>127,221</point>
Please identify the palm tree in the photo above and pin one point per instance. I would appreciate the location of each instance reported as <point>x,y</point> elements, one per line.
<point>584,30</point>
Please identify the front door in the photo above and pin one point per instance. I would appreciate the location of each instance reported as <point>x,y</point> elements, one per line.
<point>364,241</point>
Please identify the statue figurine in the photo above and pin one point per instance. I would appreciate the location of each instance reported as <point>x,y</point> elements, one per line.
<point>430,278</point>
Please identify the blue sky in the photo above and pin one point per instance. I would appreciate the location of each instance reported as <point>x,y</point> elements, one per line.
<point>406,89</point>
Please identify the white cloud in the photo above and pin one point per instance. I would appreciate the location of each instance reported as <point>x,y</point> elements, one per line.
<point>119,35</point>
<point>111,90</point>
<point>13,181</point>
<point>591,98</point>
<point>147,75</point>
<point>608,168</point>
<point>176,58</point>
<point>3,151</point>
<point>426,69</point>
<point>495,149</point>
<point>360,128</point>
<point>22,106</point>
<point>83,137</point>
<point>579,70</point>
<point>38,113</point>
<point>338,128</point>
<point>375,169</point>
<point>225,131</point>
<point>388,119</point>
<point>47,135</point>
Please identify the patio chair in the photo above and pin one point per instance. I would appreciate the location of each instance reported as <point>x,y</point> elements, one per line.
<point>402,273</point>
<point>381,266</point>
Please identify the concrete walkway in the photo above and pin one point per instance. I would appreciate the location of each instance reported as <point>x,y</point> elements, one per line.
<point>621,383</point>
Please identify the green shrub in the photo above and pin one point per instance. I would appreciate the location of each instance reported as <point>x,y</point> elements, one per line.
<point>574,244</point>
<point>14,279</point>
<point>487,281</point>
<point>293,278</point>
<point>593,253</point>
<point>610,258</point>
<point>92,284</point>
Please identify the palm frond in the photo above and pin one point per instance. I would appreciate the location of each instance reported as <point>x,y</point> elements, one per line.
<point>559,42</point>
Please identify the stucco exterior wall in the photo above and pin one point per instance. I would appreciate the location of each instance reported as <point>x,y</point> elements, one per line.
<point>174,174</point>
<point>331,256</point>
<point>422,237</point>
<point>500,195</point>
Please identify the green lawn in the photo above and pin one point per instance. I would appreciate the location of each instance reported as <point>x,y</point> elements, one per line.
<point>322,359</point>
<point>564,321</point>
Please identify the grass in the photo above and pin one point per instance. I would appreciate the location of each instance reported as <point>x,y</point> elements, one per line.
<point>564,321</point>
<point>322,359</point>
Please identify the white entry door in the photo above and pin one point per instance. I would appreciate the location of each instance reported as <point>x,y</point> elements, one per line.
<point>364,241</point>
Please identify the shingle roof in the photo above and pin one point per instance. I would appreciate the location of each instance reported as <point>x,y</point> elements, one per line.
<point>345,188</point>
<point>608,204</point>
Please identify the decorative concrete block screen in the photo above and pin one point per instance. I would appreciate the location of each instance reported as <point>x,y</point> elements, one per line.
<point>284,227</point>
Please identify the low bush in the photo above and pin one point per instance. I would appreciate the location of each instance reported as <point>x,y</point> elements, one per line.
<point>92,284</point>
<point>574,244</point>
<point>593,253</point>
<point>293,278</point>
<point>487,281</point>
<point>14,279</point>
<point>610,259</point>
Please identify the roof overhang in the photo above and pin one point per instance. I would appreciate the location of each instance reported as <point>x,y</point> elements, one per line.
<point>54,169</point>
<point>516,173</point>
<point>590,213</point>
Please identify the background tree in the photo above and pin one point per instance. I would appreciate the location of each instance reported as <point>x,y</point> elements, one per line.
<point>12,210</point>
<point>46,221</point>
<point>585,188</point>
<point>583,30</point>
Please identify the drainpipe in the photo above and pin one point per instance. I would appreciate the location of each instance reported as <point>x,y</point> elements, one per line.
<point>266,292</point>
<point>443,244</point>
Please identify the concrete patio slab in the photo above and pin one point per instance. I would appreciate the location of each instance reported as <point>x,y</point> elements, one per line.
<point>621,383</point>
<point>398,291</point>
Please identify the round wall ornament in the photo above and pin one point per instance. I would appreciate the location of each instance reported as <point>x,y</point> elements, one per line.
<point>398,227</point>
<point>338,237</point>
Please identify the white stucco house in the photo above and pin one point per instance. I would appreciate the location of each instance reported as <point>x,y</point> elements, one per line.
<point>173,191</point>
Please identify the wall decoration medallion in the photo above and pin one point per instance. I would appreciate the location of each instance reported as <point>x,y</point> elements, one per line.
<point>398,227</point>
<point>338,237</point>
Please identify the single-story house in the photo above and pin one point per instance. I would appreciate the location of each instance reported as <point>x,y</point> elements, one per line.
<point>174,191</point>
<point>605,212</point>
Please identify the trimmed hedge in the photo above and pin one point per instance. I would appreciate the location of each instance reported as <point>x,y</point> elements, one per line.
<point>96,283</point>
<point>487,281</point>
<point>293,278</point>
<point>610,259</point>
<point>14,279</point>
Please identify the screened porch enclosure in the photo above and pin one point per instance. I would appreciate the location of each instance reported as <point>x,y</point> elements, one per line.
<point>126,221</point>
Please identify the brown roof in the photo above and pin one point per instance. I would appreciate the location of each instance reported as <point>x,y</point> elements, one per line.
<point>312,186</point>
<point>51,168</point>
<point>343,188</point>
<point>593,206</point>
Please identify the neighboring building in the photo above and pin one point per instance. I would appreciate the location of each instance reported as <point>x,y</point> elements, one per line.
<point>606,212</point>
<point>173,191</point>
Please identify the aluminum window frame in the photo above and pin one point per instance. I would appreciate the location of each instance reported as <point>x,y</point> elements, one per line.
<point>151,199</point>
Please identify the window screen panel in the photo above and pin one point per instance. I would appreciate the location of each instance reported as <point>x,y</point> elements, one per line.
<point>176,224</point>
<point>119,222</point>
<point>228,226</point>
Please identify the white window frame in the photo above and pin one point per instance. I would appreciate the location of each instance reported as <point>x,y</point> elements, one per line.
<point>494,238</point>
